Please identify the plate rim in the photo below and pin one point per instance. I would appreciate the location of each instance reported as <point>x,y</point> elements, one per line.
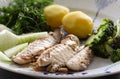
<point>100,74</point>
<point>69,75</point>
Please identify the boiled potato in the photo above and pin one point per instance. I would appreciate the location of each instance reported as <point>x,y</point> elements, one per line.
<point>78,23</point>
<point>54,14</point>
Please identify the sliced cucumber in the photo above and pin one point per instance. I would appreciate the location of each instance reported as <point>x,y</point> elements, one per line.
<point>3,27</point>
<point>8,39</point>
<point>31,37</point>
<point>14,50</point>
<point>4,58</point>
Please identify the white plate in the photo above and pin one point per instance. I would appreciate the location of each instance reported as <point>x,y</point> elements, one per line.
<point>99,66</point>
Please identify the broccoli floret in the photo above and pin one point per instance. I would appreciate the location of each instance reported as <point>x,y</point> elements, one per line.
<point>115,55</point>
<point>106,42</point>
<point>116,39</point>
<point>103,33</point>
<point>99,41</point>
<point>103,50</point>
<point>115,44</point>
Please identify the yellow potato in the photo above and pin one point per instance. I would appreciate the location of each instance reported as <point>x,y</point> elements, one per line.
<point>78,23</point>
<point>54,14</point>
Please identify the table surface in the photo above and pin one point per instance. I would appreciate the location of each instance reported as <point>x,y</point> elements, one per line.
<point>10,75</point>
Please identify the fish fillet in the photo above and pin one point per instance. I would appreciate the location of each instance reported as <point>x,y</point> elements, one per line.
<point>81,60</point>
<point>37,47</point>
<point>58,55</point>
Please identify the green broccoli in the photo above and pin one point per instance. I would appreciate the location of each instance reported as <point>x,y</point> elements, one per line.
<point>116,39</point>
<point>106,42</point>
<point>103,50</point>
<point>98,42</point>
<point>115,55</point>
<point>115,44</point>
<point>103,33</point>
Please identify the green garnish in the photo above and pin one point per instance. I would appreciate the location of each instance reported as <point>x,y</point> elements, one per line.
<point>24,16</point>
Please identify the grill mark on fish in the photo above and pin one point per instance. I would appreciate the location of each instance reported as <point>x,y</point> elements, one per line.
<point>81,60</point>
<point>58,55</point>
